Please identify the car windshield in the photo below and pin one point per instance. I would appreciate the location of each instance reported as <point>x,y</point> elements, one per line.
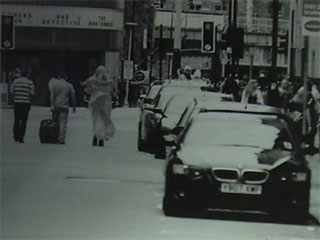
<point>243,130</point>
<point>178,105</point>
<point>154,91</point>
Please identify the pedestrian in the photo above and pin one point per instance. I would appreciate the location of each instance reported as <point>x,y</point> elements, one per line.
<point>101,87</point>
<point>230,86</point>
<point>312,113</point>
<point>279,96</point>
<point>252,94</point>
<point>187,73</point>
<point>22,90</point>
<point>61,94</point>
<point>197,74</point>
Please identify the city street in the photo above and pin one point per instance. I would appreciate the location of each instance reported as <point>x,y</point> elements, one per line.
<point>77,191</point>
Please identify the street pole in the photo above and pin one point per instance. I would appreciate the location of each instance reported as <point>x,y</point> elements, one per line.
<point>176,63</point>
<point>233,24</point>
<point>275,17</point>
<point>130,25</point>
<point>304,74</point>
<point>160,51</point>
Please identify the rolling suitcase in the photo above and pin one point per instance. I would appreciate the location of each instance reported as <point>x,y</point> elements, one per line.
<point>49,130</point>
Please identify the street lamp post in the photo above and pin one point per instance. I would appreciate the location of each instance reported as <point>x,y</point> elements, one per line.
<point>130,25</point>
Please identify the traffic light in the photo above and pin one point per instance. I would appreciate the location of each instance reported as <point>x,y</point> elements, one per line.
<point>7,32</point>
<point>208,37</point>
<point>283,44</point>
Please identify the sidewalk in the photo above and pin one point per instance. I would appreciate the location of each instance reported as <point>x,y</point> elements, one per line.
<point>314,164</point>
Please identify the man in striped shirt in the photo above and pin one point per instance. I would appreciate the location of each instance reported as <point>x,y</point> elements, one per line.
<point>22,89</point>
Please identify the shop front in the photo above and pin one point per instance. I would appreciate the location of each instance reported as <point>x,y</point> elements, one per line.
<point>72,39</point>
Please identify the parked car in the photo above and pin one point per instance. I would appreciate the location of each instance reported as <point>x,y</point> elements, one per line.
<point>153,109</point>
<point>240,161</point>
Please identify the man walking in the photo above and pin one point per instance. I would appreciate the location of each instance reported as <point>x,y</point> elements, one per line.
<point>22,90</point>
<point>61,93</point>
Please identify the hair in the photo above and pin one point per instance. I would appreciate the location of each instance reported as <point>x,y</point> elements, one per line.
<point>101,73</point>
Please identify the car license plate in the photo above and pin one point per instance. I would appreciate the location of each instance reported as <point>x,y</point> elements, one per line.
<point>241,188</point>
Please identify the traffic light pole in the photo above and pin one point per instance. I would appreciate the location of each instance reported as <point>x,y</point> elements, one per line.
<point>233,24</point>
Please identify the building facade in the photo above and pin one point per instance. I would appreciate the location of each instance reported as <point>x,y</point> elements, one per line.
<point>254,16</point>
<point>70,36</point>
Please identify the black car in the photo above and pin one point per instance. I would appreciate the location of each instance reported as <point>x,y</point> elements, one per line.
<point>237,161</point>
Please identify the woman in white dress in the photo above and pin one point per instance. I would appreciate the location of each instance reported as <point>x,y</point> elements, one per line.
<point>101,88</point>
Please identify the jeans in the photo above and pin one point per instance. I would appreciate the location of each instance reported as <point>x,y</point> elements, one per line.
<point>62,116</point>
<point>21,113</point>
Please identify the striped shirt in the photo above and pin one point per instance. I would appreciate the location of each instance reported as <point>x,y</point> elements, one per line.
<point>22,89</point>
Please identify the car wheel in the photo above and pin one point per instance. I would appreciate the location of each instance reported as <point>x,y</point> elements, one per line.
<point>171,208</point>
<point>160,148</point>
<point>300,214</point>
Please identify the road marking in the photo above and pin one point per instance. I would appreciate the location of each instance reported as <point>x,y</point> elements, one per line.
<point>157,194</point>
<point>109,180</point>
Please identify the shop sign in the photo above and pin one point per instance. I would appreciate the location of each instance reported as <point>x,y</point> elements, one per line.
<point>64,17</point>
<point>311,18</point>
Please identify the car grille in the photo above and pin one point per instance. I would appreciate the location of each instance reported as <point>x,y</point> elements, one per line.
<point>233,175</point>
<point>254,176</point>
<point>226,175</point>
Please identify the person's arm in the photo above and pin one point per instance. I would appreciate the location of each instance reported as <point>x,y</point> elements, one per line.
<point>260,99</point>
<point>244,99</point>
<point>32,89</point>
<point>73,99</point>
<point>51,90</point>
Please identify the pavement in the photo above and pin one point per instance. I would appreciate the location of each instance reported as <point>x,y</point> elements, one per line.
<point>314,164</point>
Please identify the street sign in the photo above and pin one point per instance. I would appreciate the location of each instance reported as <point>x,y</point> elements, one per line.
<point>139,76</point>
<point>128,69</point>
<point>311,18</point>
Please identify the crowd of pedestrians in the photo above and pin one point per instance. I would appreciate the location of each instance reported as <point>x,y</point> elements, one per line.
<point>281,93</point>
<point>100,88</point>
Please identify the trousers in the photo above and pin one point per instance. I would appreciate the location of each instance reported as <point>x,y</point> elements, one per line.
<point>61,115</point>
<point>21,113</point>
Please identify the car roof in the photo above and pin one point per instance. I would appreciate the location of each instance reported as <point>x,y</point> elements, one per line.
<point>223,106</point>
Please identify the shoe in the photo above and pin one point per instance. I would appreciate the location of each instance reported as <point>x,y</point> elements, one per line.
<point>61,143</point>
<point>101,143</point>
<point>20,141</point>
<point>94,141</point>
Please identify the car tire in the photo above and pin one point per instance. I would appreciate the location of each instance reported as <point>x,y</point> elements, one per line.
<point>171,208</point>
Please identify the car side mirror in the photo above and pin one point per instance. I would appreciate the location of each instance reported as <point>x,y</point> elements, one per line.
<point>159,111</point>
<point>177,130</point>
<point>147,100</point>
<point>142,96</point>
<point>306,149</point>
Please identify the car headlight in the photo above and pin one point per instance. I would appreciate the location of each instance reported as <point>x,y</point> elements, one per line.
<point>299,177</point>
<point>179,169</point>
<point>182,169</point>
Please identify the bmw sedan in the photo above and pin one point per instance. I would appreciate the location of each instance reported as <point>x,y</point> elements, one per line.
<point>237,161</point>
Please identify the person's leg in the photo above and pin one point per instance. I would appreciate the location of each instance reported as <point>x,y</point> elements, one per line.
<point>25,108</point>
<point>94,124</point>
<point>63,120</point>
<point>16,128</point>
